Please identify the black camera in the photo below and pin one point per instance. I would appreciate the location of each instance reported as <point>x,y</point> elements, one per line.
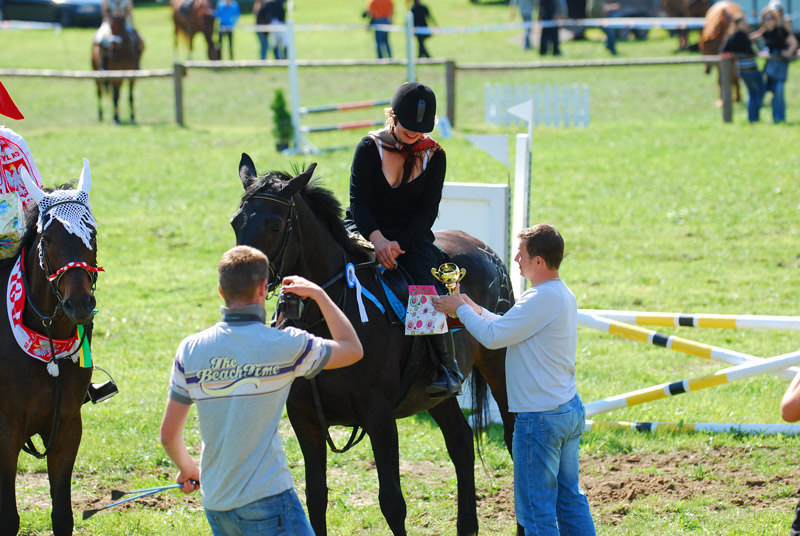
<point>290,306</point>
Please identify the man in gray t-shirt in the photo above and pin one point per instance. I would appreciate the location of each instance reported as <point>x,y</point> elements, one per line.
<point>239,372</point>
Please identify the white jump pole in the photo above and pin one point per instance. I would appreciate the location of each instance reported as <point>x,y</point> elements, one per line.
<point>692,427</point>
<point>665,390</point>
<point>522,194</point>
<point>412,67</point>
<point>673,342</point>
<point>789,323</point>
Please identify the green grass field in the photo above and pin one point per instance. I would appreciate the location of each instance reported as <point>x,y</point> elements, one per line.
<point>662,206</point>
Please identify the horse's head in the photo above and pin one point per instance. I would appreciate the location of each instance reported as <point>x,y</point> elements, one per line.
<point>267,219</point>
<point>66,239</point>
<point>118,25</point>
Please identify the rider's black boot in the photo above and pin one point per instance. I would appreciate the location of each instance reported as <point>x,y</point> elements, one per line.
<point>448,378</point>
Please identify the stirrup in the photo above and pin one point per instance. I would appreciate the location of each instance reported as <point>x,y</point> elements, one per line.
<point>448,384</point>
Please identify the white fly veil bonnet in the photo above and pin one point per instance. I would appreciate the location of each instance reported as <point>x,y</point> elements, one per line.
<point>70,207</point>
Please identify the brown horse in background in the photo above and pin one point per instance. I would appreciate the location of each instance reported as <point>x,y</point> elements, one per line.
<point>191,18</point>
<point>685,8</point>
<point>718,24</point>
<point>123,53</point>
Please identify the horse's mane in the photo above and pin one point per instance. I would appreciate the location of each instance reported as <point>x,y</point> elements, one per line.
<point>31,219</point>
<point>323,203</point>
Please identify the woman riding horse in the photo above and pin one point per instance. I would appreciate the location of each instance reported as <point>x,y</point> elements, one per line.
<point>396,184</point>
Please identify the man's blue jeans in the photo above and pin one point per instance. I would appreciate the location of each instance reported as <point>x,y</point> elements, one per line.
<point>278,515</point>
<point>755,92</point>
<point>548,498</point>
<point>382,38</point>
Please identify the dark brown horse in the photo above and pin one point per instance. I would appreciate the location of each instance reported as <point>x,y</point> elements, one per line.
<point>122,52</point>
<point>33,401</point>
<point>298,226</point>
<point>685,8</point>
<point>191,18</point>
<point>718,24</point>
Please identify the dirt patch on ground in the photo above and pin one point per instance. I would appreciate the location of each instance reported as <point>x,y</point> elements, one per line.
<point>614,482</point>
<point>33,493</point>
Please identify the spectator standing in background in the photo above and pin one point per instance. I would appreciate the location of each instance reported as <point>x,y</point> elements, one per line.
<point>380,12</point>
<point>549,10</point>
<point>421,15</point>
<point>739,44</point>
<point>526,12</point>
<point>227,12</point>
<point>271,12</point>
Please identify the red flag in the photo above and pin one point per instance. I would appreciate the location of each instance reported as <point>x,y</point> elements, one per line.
<point>7,106</point>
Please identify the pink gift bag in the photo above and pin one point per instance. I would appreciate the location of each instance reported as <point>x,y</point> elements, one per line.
<point>421,317</point>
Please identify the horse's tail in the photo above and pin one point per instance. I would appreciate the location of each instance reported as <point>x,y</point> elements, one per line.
<point>480,408</point>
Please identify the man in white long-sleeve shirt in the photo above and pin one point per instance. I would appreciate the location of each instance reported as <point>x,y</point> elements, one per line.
<point>540,333</point>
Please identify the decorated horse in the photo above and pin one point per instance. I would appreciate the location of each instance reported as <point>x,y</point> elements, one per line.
<point>718,24</point>
<point>297,224</point>
<point>685,8</point>
<point>191,17</point>
<point>119,50</point>
<point>45,330</point>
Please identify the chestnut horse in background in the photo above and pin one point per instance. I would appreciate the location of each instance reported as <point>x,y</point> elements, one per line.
<point>718,24</point>
<point>685,8</point>
<point>191,17</point>
<point>123,53</point>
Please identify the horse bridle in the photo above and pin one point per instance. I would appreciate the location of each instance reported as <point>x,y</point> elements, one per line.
<point>54,276</point>
<point>276,276</point>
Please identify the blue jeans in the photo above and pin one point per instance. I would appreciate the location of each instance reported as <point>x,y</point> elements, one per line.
<point>382,38</point>
<point>548,499</point>
<point>755,92</point>
<point>263,39</point>
<point>278,515</point>
<point>776,72</point>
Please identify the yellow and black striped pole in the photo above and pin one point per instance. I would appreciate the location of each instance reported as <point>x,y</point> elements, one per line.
<point>672,342</point>
<point>666,390</point>
<point>789,323</point>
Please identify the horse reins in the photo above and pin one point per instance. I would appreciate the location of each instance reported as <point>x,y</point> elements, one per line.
<point>53,278</point>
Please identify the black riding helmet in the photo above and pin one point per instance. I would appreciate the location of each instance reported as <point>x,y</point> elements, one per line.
<point>414,104</point>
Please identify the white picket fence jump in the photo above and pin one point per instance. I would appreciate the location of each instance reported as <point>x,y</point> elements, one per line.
<point>553,105</point>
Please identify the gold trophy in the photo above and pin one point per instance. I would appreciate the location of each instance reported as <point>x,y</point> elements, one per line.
<point>449,274</point>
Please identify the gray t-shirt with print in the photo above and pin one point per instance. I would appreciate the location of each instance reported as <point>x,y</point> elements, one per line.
<point>239,373</point>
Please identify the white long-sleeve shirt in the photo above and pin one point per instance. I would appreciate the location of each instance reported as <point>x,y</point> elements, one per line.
<point>540,333</point>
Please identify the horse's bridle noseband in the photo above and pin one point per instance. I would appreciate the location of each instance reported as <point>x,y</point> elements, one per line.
<point>276,276</point>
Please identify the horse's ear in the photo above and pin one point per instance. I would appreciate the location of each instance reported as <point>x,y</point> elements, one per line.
<point>297,183</point>
<point>33,189</point>
<point>247,170</point>
<point>85,182</point>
